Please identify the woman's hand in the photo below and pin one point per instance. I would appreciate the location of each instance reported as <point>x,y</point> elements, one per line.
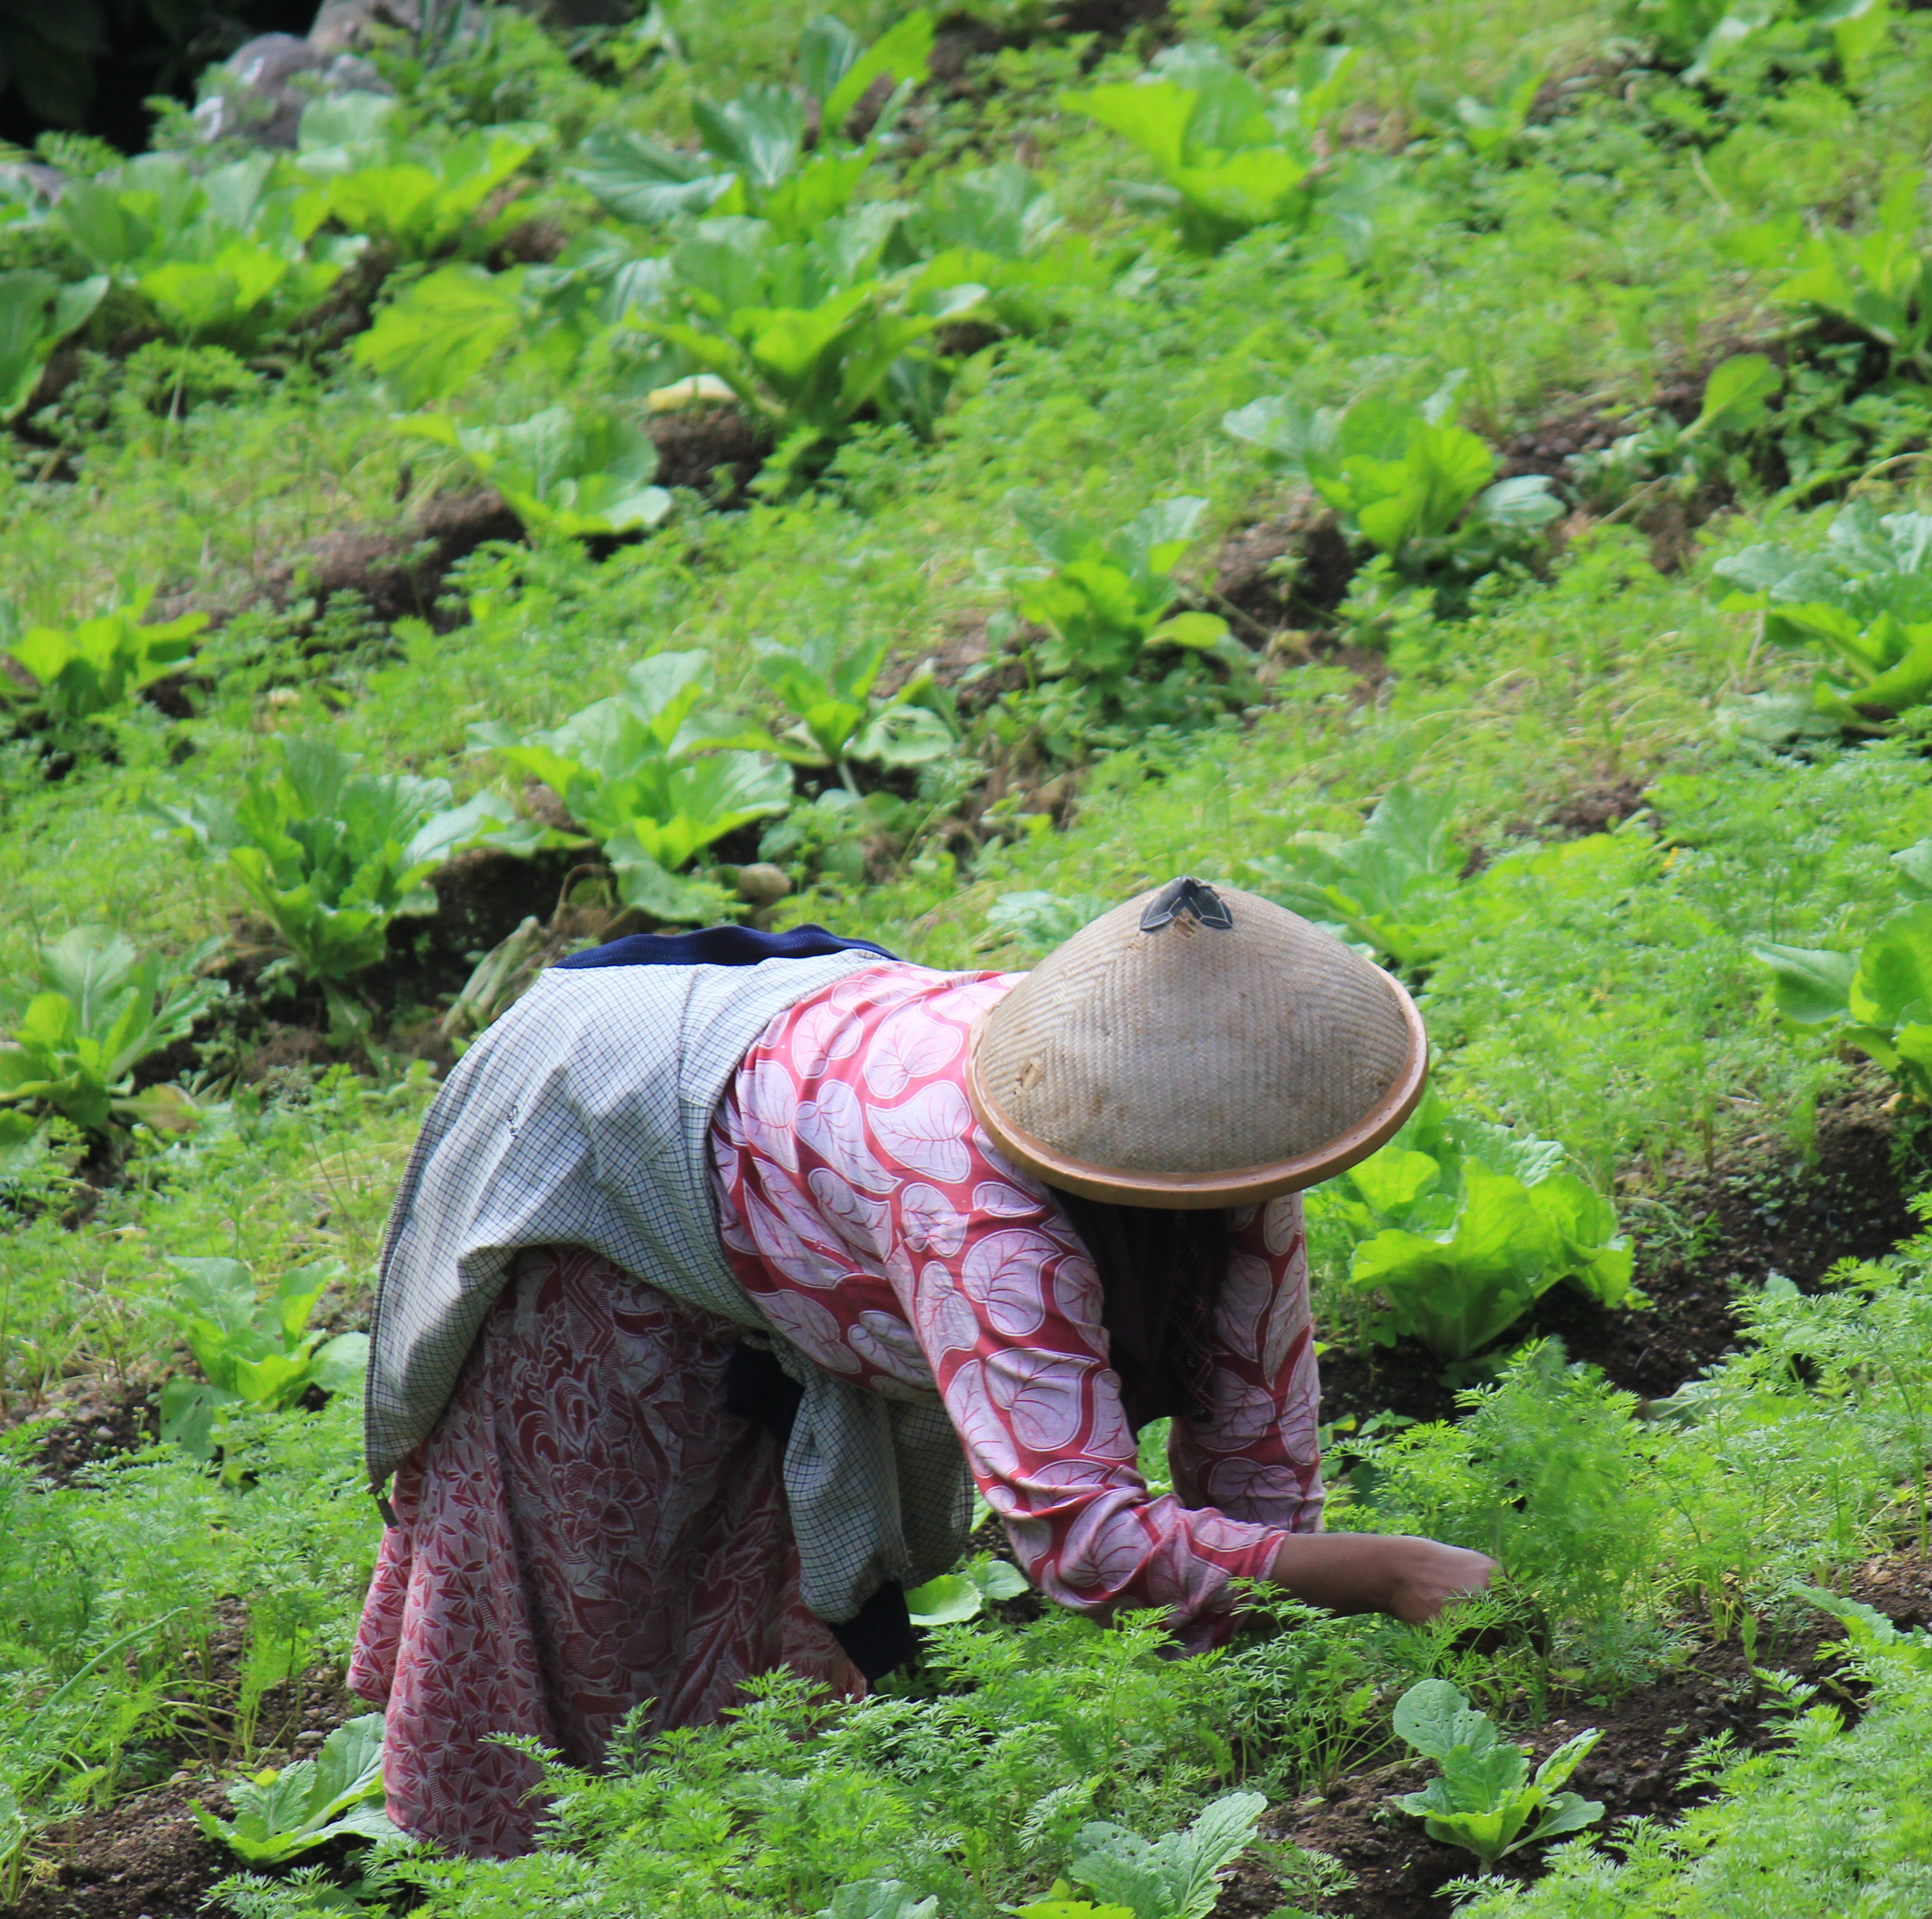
<point>1412,1579</point>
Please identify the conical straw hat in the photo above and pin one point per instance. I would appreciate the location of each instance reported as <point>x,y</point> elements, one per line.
<point>1197,1047</point>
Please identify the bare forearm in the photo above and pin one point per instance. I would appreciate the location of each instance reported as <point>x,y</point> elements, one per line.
<point>1412,1579</point>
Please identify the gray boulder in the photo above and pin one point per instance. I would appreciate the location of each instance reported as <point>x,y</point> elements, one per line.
<point>259,90</point>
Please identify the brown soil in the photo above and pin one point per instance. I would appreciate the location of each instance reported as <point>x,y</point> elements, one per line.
<point>1635,1768</point>
<point>1750,1219</point>
<point>716,450</point>
<point>144,1857</point>
<point>99,1426</point>
<point>399,571</point>
<point>1310,535</point>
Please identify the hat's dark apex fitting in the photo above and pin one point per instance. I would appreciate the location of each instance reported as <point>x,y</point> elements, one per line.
<point>1187,894</point>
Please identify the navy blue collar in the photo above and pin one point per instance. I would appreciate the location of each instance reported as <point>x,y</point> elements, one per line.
<point>720,946</point>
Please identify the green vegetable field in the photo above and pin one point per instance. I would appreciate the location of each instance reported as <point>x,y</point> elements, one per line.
<point>1462,470</point>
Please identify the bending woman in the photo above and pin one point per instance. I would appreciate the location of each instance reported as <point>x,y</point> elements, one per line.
<point>723,1259</point>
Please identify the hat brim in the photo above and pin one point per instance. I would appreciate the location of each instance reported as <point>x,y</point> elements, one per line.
<point>1241,1185</point>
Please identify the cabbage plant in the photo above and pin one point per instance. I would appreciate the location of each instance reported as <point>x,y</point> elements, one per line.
<point>419,197</point>
<point>1381,885</point>
<point>1405,478</point>
<point>441,332</point>
<point>230,254</point>
<point>574,472</point>
<point>1876,998</point>
<point>828,689</point>
<point>1879,283</point>
<point>281,1813</point>
<point>1864,600</point>
<point>758,157</point>
<point>1484,1798</point>
<point>650,778</point>
<point>1231,157</point>
<point>811,333</point>
<point>996,227</point>
<point>87,669</point>
<point>251,1351</point>
<point>37,312</point>
<point>1458,1227</point>
<point>95,1010</point>
<point>331,854</point>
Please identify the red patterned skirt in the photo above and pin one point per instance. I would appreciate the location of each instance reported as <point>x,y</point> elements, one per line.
<point>585,1528</point>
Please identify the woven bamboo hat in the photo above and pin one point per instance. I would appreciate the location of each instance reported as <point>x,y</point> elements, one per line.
<point>1197,1047</point>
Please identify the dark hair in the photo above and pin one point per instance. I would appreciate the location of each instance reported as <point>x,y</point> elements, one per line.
<point>1160,1279</point>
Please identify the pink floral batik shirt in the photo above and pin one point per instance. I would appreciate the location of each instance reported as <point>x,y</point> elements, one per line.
<point>877,1227</point>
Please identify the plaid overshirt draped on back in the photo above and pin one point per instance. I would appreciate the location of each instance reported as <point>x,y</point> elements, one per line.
<point>581,1118</point>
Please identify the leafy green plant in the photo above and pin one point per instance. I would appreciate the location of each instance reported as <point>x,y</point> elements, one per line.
<point>330,854</point>
<point>810,333</point>
<point>1661,453</point>
<point>281,1814</point>
<point>1404,479</point>
<point>251,1352</point>
<point>1231,157</point>
<point>92,668</point>
<point>651,779</point>
<point>1879,281</point>
<point>1549,1470</point>
<point>998,227</point>
<point>828,691</point>
<point>1103,599</point>
<point>37,312</point>
<point>1178,1877</point>
<point>565,471</point>
<point>1877,1000</point>
<point>1461,1226</point>
<point>230,255</point>
<point>1489,128</point>
<point>955,1597</point>
<point>421,198</point>
<point>1866,599</point>
<point>1040,921</point>
<point>1705,36</point>
<point>754,159</point>
<point>97,1011</point>
<point>1378,885</point>
<point>1485,1797</point>
<point>443,332</point>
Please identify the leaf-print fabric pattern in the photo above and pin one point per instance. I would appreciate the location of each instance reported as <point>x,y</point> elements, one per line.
<point>931,1262</point>
<point>586,1528</point>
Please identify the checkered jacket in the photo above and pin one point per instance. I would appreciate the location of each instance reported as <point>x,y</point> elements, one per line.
<point>580,1117</point>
